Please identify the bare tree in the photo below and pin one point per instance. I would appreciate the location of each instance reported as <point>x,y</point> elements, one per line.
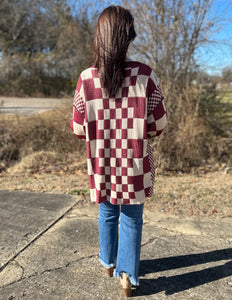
<point>227,74</point>
<point>170,32</point>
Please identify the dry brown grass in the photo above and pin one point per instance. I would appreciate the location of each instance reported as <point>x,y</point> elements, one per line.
<point>199,195</point>
<point>205,195</point>
<point>38,140</point>
<point>35,162</point>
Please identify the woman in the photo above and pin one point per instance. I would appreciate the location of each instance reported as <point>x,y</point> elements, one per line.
<point>117,106</point>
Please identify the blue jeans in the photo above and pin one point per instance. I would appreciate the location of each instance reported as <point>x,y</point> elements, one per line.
<point>125,251</point>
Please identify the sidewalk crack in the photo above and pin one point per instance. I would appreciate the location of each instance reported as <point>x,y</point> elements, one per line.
<point>38,235</point>
<point>151,240</point>
<point>45,271</point>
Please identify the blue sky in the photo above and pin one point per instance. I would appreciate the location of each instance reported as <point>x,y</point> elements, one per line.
<point>214,57</point>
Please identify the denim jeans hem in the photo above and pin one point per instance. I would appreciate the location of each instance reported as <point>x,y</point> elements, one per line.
<point>132,280</point>
<point>106,265</point>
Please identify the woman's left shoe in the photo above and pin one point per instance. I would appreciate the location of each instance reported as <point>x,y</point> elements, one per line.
<point>110,271</point>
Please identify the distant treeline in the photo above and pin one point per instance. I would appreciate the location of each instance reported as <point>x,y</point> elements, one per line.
<point>44,45</point>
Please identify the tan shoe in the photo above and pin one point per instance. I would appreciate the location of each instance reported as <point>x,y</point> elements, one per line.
<point>126,284</point>
<point>110,271</point>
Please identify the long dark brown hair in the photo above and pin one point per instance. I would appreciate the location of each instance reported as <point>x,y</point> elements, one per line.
<point>114,32</point>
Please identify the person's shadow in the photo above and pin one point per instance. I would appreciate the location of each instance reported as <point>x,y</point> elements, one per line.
<point>187,280</point>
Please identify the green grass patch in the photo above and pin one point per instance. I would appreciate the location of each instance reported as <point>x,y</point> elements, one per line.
<point>79,192</point>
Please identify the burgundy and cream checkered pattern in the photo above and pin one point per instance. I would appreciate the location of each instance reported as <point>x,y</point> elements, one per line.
<point>120,159</point>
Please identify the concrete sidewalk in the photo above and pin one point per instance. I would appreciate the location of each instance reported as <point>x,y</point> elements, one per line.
<point>49,250</point>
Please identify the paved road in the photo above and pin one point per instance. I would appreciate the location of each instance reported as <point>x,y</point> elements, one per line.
<point>29,106</point>
<point>49,250</point>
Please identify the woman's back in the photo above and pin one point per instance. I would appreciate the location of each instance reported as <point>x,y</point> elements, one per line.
<point>120,162</point>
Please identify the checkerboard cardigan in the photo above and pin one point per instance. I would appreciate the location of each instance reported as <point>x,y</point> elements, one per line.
<point>119,158</point>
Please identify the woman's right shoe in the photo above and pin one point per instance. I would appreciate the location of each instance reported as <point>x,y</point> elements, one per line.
<point>126,284</point>
<point>110,271</point>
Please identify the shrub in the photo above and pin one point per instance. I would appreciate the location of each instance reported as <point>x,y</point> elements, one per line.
<point>48,131</point>
<point>193,129</point>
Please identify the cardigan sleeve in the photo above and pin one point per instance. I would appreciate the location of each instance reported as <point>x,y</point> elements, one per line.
<point>78,120</point>
<point>156,111</point>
